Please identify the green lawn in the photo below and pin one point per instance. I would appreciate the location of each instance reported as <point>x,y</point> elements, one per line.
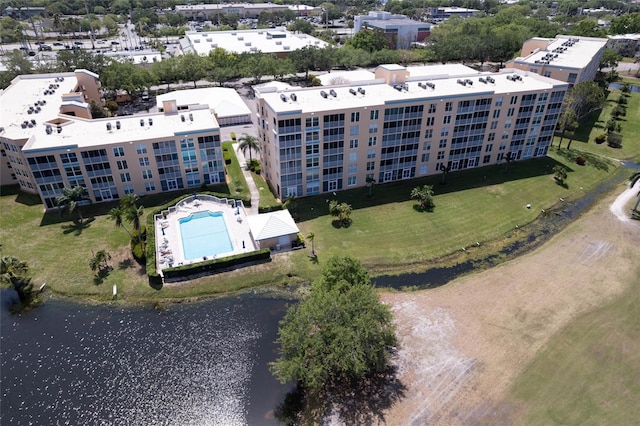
<point>588,374</point>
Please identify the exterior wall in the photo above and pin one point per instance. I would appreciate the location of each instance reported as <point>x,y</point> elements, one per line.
<point>308,153</point>
<point>533,44</point>
<point>110,171</point>
<point>13,169</point>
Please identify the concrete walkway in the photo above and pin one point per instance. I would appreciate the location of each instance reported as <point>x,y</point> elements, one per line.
<point>253,189</point>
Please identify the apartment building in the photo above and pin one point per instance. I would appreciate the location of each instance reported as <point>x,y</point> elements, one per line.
<point>401,126</point>
<point>566,58</point>
<point>50,141</point>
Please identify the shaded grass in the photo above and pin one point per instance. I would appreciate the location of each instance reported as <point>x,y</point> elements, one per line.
<point>235,179</point>
<point>588,373</point>
<point>267,199</point>
<point>594,125</point>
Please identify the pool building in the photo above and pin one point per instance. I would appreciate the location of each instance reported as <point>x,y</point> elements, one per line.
<point>203,227</point>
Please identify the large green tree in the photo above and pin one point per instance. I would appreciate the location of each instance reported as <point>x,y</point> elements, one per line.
<point>70,199</point>
<point>338,336</point>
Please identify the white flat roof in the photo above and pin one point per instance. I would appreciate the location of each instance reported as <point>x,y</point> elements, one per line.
<point>577,55</point>
<point>225,102</point>
<point>272,40</point>
<point>28,90</point>
<point>444,70</point>
<point>310,100</point>
<point>343,77</point>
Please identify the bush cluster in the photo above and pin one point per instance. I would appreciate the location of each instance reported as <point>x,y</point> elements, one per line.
<point>217,265</point>
<point>581,161</point>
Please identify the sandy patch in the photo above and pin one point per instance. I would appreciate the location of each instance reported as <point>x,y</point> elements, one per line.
<point>463,345</point>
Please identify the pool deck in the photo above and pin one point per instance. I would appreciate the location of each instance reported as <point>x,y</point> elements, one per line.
<point>169,248</point>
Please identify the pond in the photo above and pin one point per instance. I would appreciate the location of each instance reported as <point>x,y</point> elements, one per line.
<point>202,363</point>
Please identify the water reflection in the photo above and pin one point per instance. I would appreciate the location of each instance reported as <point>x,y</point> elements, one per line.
<point>193,364</point>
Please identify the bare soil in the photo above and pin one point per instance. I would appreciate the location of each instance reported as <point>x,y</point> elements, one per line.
<point>463,345</point>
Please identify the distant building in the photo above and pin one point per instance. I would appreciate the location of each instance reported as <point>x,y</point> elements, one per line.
<point>23,12</point>
<point>402,123</point>
<point>224,103</point>
<point>399,30</point>
<point>50,141</point>
<point>625,44</point>
<point>210,12</point>
<point>566,58</point>
<point>272,40</point>
<point>438,14</point>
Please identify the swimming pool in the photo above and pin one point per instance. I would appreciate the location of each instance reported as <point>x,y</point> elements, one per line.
<point>204,234</point>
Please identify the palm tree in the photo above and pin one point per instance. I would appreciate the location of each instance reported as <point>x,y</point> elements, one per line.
<point>370,182</point>
<point>100,262</point>
<point>248,142</point>
<point>424,195</point>
<point>291,203</point>
<point>14,274</point>
<point>445,170</point>
<point>128,211</point>
<point>508,159</point>
<point>116,214</point>
<point>311,237</point>
<point>70,199</point>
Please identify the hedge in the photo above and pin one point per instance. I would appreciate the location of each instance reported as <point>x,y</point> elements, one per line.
<point>212,266</point>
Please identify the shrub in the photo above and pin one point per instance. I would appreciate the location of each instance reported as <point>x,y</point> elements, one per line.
<point>257,170</point>
<point>233,136</point>
<point>112,106</point>
<point>213,266</point>
<point>227,157</point>
<point>601,138</point>
<point>581,161</point>
<point>614,140</point>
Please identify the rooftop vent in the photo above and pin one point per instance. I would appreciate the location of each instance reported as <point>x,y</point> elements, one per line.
<point>108,127</point>
<point>323,94</point>
<point>469,82</point>
<point>141,122</point>
<point>182,117</point>
<point>353,91</point>
<point>482,80</point>
<point>490,79</point>
<point>151,122</point>
<point>48,129</point>
<point>294,97</point>
<point>463,82</point>
<point>430,84</point>
<point>398,87</point>
<point>361,90</point>
<point>118,125</point>
<point>23,124</point>
<point>333,93</point>
<point>59,129</point>
<point>283,97</point>
<point>190,117</point>
<point>33,121</point>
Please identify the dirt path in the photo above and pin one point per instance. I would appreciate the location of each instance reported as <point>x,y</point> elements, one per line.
<point>463,344</point>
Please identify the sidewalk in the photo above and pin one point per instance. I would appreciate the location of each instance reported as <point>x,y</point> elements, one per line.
<point>253,189</point>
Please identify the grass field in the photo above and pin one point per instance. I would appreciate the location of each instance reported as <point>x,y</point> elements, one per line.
<point>588,374</point>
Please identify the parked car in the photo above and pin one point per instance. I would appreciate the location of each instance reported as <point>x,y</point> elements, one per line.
<point>114,42</point>
<point>78,43</point>
<point>45,47</point>
<point>57,43</point>
<point>32,53</point>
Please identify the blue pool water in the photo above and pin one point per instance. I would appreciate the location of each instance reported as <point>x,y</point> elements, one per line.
<point>204,234</point>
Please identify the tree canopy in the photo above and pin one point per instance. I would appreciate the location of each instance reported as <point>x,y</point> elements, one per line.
<point>338,334</point>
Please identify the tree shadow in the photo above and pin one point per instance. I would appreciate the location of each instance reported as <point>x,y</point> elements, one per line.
<point>593,160</point>
<point>562,183</point>
<point>126,263</point>
<point>76,227</point>
<point>361,402</point>
<point>337,223</point>
<point>102,275</point>
<point>420,209</point>
<point>313,258</point>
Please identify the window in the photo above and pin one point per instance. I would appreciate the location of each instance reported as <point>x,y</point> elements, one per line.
<point>432,109</point>
<point>440,155</point>
<point>443,143</point>
<point>486,159</point>
<point>429,121</point>
<point>371,165</point>
<point>505,136</point>
<point>355,117</point>
<point>428,134</point>
<point>507,124</point>
<point>496,113</point>
<point>425,157</point>
<point>122,164</point>
<point>146,174</point>
<point>373,140</point>
<point>502,147</point>
<point>426,146</point>
<point>118,151</point>
<point>353,143</point>
<point>125,177</point>
<point>499,101</point>
<point>353,157</point>
<point>572,77</point>
<point>492,137</point>
<point>547,74</point>
<point>371,153</point>
<point>444,131</point>
<point>128,189</point>
<point>144,161</point>
<point>313,162</point>
<point>510,112</point>
<point>514,100</point>
<point>494,125</point>
<point>373,115</point>
<point>141,149</point>
<point>446,119</point>
<point>448,106</point>
<point>353,169</point>
<point>423,169</point>
<point>149,186</point>
<point>351,181</point>
<point>489,147</point>
<point>354,130</point>
<point>373,128</point>
<point>312,121</point>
